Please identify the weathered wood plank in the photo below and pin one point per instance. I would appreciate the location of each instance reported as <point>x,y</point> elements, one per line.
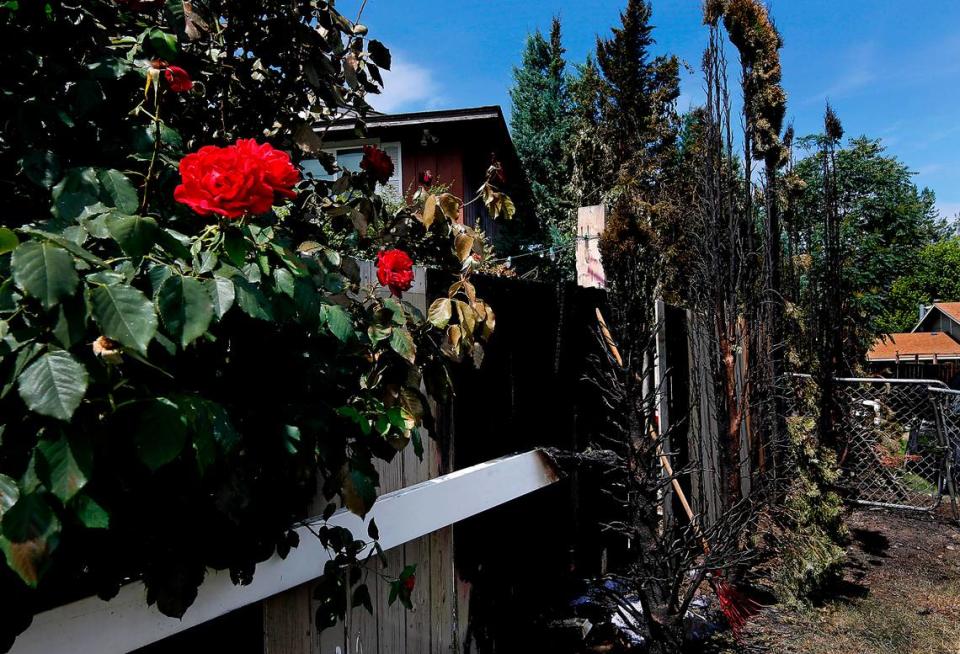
<point>287,622</point>
<point>417,552</point>
<point>392,619</point>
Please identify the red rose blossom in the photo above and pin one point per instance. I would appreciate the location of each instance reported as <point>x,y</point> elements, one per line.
<point>235,180</point>
<point>395,271</point>
<point>178,79</point>
<point>377,163</point>
<point>278,172</point>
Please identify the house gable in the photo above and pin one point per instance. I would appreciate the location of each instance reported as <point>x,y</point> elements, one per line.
<point>941,317</point>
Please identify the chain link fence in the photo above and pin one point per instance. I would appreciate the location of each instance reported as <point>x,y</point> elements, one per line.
<point>901,442</point>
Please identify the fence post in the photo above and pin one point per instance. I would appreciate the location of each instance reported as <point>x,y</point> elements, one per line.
<point>590,224</point>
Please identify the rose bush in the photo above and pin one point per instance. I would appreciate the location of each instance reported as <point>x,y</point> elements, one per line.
<point>185,343</point>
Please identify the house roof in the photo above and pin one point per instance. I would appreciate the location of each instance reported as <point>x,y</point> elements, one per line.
<point>952,309</point>
<point>466,114</point>
<point>949,309</point>
<point>924,346</point>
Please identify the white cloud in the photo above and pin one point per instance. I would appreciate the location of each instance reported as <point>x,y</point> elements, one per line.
<point>949,209</point>
<point>407,86</point>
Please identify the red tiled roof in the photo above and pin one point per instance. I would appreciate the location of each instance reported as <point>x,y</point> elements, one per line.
<point>920,344</point>
<point>952,309</point>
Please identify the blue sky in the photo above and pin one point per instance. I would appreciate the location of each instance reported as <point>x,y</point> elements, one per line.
<point>891,68</point>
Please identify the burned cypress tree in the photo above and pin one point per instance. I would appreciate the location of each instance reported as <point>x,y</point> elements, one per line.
<point>752,32</point>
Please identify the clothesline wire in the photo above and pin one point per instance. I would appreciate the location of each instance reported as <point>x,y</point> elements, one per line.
<point>541,251</point>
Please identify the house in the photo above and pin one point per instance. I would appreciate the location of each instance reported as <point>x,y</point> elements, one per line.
<point>930,351</point>
<point>454,146</point>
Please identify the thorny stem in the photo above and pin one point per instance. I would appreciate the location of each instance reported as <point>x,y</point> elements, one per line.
<point>156,145</point>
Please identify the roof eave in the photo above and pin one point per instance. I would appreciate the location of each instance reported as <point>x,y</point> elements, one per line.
<point>423,118</point>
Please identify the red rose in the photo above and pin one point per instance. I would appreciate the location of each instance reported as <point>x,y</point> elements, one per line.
<point>178,79</point>
<point>278,172</point>
<point>377,163</point>
<point>235,180</point>
<point>409,583</point>
<point>395,271</point>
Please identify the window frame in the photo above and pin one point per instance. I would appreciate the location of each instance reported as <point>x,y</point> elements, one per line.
<point>335,147</point>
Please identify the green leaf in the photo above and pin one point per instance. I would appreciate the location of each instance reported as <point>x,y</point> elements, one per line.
<point>174,243</point>
<point>361,597</point>
<point>96,226</point>
<point>8,240</point>
<point>90,513</point>
<point>284,280</point>
<point>359,491</point>
<point>71,324</point>
<point>31,517</point>
<point>9,493</point>
<point>157,275</point>
<point>160,432</point>
<point>53,385</point>
<point>211,429</point>
<point>185,307</point>
<point>119,190</point>
<point>338,321</point>
<point>417,444</point>
<point>164,45</point>
<point>24,357</point>
<point>379,54</point>
<point>236,246</point>
<point>402,343</point>
<point>251,299</point>
<point>8,298</point>
<point>42,167</point>
<point>30,530</point>
<point>60,468</point>
<point>135,234</point>
<point>206,262</point>
<point>125,315</point>
<point>79,189</point>
<point>44,271</point>
<point>440,312</point>
<point>66,244</point>
<point>222,294</point>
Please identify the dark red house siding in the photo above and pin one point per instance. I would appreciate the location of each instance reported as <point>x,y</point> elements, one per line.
<point>446,164</point>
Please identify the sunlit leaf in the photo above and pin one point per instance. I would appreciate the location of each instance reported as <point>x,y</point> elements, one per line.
<point>44,271</point>
<point>440,312</point>
<point>53,385</point>
<point>125,315</point>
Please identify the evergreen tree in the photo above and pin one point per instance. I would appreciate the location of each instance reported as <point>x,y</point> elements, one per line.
<point>590,163</point>
<point>540,123</point>
<point>639,107</point>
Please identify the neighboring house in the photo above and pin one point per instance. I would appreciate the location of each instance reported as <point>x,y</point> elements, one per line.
<point>456,146</point>
<point>930,351</point>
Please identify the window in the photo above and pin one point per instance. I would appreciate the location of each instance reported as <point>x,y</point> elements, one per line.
<point>348,156</point>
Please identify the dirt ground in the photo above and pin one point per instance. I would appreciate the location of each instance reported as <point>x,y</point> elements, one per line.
<point>900,595</point>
